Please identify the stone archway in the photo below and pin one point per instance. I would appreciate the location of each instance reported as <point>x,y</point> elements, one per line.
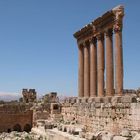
<point>17,127</point>
<point>27,128</point>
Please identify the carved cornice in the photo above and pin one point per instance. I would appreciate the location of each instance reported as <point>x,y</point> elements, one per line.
<point>95,26</point>
<point>111,19</point>
<point>84,32</point>
<point>117,26</point>
<point>119,14</point>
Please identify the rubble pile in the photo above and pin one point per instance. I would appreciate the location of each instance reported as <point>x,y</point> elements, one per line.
<point>14,135</point>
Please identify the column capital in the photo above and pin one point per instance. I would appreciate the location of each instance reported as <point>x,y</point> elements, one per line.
<point>84,44</point>
<point>117,26</point>
<point>80,46</point>
<point>100,36</point>
<point>93,40</point>
<point>109,32</point>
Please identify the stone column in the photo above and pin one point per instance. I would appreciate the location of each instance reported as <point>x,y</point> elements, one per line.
<point>93,67</point>
<point>118,61</point>
<point>109,64</point>
<point>81,72</point>
<point>86,71</point>
<point>118,15</point>
<point>100,65</point>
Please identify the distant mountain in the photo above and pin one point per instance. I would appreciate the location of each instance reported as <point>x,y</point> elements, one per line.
<point>9,96</point>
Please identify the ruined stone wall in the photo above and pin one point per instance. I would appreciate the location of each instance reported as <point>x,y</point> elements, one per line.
<point>15,117</point>
<point>110,114</point>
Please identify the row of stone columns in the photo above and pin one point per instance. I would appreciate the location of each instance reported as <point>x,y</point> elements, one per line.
<point>92,65</point>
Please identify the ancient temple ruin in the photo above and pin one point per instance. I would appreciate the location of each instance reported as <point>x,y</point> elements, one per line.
<point>103,110</point>
<point>100,105</point>
<point>29,95</point>
<point>93,41</point>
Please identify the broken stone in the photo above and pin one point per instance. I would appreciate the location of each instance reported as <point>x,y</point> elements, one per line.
<point>120,138</point>
<point>125,133</point>
<point>137,137</point>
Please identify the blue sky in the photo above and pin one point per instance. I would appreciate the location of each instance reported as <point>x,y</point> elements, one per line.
<point>38,50</point>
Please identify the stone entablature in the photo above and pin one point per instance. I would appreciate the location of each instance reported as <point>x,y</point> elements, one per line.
<point>110,20</point>
<point>93,41</point>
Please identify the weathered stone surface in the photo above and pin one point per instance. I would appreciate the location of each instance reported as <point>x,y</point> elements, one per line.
<point>13,114</point>
<point>137,137</point>
<point>126,99</point>
<point>125,133</point>
<point>120,138</point>
<point>91,100</point>
<point>82,134</point>
<point>20,136</point>
<point>134,133</point>
<point>84,100</point>
<point>90,136</point>
<point>115,100</point>
<point>112,117</point>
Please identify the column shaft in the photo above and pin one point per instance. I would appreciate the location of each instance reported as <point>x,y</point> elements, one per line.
<point>81,72</point>
<point>86,71</point>
<point>109,64</point>
<point>100,65</point>
<point>93,68</point>
<point>118,62</point>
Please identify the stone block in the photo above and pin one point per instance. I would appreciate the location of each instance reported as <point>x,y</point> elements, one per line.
<point>73,100</point>
<point>76,131</point>
<point>64,128</point>
<point>115,100</point>
<point>92,106</point>
<point>84,100</point>
<point>97,100</point>
<point>102,99</point>
<point>82,134</point>
<point>107,99</point>
<point>120,105</point>
<point>134,133</point>
<point>79,100</point>
<point>134,100</point>
<point>137,137</point>
<point>125,133</point>
<point>67,100</point>
<point>120,138</point>
<point>90,136</point>
<point>127,105</point>
<point>48,126</point>
<point>91,100</point>
<point>98,105</point>
<point>126,99</point>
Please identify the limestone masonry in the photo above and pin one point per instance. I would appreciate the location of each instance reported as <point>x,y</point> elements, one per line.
<point>103,110</point>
